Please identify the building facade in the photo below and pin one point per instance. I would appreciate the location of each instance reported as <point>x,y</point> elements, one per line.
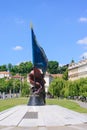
<point>5,74</point>
<point>48,78</point>
<point>77,70</point>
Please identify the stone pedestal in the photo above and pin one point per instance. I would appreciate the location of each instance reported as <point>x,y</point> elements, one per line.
<point>35,100</point>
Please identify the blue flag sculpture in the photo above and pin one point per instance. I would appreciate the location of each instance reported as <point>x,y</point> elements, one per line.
<point>39,58</point>
<point>36,77</point>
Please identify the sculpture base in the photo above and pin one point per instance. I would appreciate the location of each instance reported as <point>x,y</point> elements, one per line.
<point>35,100</point>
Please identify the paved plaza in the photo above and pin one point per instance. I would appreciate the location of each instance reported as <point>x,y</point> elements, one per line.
<point>49,117</point>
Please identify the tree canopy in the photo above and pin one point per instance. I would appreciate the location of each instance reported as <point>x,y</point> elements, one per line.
<point>25,67</point>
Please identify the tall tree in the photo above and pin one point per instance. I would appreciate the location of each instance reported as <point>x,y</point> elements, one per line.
<point>53,67</point>
<point>65,75</point>
<point>3,68</point>
<point>10,67</point>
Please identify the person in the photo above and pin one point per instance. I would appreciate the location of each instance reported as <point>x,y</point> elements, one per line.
<point>37,82</point>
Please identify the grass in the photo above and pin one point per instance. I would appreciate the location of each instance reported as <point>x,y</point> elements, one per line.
<point>67,104</point>
<point>8,103</point>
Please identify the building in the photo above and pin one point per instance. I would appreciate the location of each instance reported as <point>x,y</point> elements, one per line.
<point>5,74</point>
<point>77,70</point>
<point>17,76</point>
<point>48,78</point>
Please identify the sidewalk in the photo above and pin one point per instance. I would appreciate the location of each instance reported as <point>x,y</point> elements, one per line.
<point>82,104</point>
<point>40,116</point>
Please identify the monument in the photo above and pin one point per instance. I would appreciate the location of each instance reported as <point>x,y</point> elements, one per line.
<point>36,76</point>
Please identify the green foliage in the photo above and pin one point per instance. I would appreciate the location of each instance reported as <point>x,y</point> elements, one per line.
<point>24,68</point>
<point>84,94</point>
<point>25,89</point>
<point>83,85</point>
<point>62,69</point>
<point>2,85</point>
<point>53,67</point>
<point>14,85</point>
<point>65,74</point>
<point>3,68</point>
<point>65,88</point>
<point>10,66</point>
<point>56,87</point>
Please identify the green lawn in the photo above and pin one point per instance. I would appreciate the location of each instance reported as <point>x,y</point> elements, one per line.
<point>67,104</point>
<point>7,103</point>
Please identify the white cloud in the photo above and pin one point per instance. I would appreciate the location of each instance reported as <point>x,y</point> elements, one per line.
<point>84,55</point>
<point>82,41</point>
<point>17,48</point>
<point>83,19</point>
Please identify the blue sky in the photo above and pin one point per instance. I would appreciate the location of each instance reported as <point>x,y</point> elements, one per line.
<point>60,27</point>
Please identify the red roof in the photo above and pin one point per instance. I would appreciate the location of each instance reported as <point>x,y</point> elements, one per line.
<point>57,75</point>
<point>4,72</point>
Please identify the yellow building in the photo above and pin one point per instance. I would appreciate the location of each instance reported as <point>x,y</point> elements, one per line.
<point>77,70</point>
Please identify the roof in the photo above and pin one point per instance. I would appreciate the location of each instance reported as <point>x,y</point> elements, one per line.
<point>17,76</point>
<point>54,75</point>
<point>57,75</point>
<point>4,72</point>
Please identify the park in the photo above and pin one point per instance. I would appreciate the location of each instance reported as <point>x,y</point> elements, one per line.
<point>37,111</point>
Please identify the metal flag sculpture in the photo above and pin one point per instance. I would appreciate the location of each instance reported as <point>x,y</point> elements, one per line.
<point>39,57</point>
<point>36,78</point>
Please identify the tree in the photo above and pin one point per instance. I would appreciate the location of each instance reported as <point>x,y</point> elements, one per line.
<point>56,87</point>
<point>53,67</point>
<point>66,89</point>
<point>82,86</point>
<point>23,68</point>
<point>65,75</point>
<point>10,66</point>
<point>28,66</point>
<point>25,89</point>
<point>3,68</point>
<point>2,88</point>
<point>63,69</point>
<point>9,84</point>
